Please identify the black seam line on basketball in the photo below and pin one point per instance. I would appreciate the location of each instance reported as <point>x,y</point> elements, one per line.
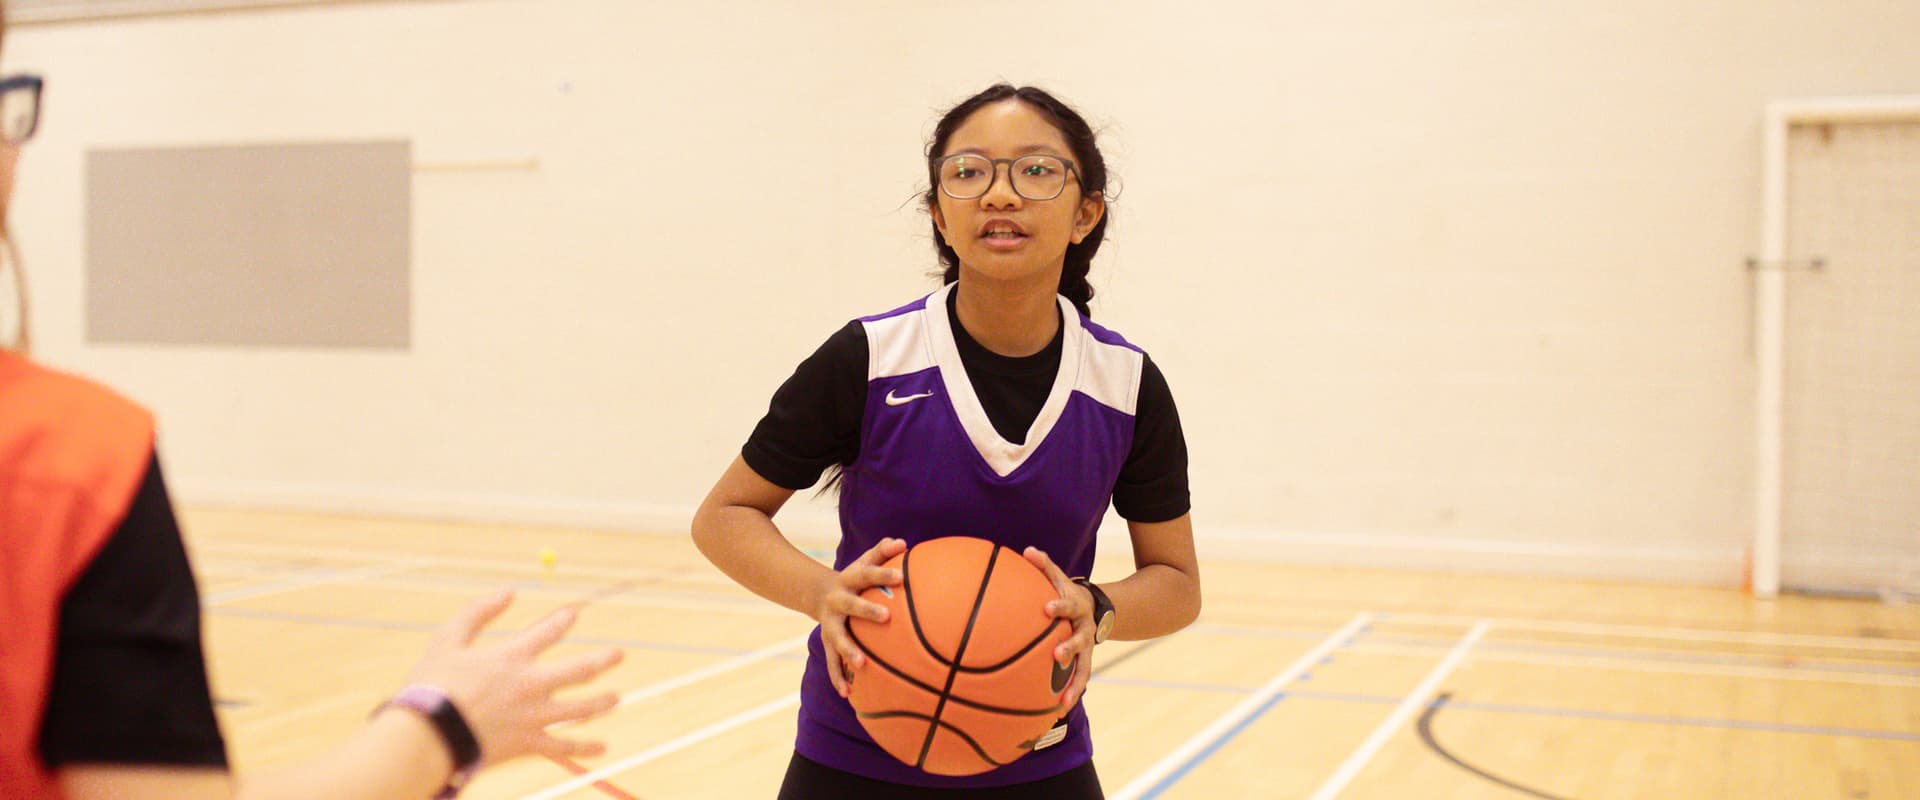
<point>1016,654</point>
<point>959,652</point>
<point>906,586</point>
<point>929,689</point>
<point>1425,727</point>
<point>951,729</point>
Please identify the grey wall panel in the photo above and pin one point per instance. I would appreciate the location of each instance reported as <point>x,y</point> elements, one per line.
<point>286,245</point>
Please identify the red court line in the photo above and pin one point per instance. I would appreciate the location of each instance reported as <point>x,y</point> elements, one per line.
<point>576,768</point>
<point>581,604</point>
<point>569,764</point>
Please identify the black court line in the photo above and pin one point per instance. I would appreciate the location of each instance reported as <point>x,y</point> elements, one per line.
<point>1426,735</point>
<point>1137,650</point>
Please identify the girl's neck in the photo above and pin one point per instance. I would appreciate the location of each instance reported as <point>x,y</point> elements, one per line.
<point>1010,318</point>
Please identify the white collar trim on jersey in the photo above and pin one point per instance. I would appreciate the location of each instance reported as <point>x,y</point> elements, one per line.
<point>1003,456</point>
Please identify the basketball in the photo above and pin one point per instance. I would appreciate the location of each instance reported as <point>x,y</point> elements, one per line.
<point>961,678</point>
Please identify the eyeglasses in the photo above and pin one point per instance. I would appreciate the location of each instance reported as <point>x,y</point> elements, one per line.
<point>20,107</point>
<point>965,176</point>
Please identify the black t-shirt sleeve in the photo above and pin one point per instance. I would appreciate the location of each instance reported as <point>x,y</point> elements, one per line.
<point>1153,484</point>
<point>129,682</point>
<point>814,420</point>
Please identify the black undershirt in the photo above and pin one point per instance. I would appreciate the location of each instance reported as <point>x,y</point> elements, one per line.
<point>129,683</point>
<point>813,422</point>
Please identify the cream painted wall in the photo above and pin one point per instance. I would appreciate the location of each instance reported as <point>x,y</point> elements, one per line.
<point>1448,283</point>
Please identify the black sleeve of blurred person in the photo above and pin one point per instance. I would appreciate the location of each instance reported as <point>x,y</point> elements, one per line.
<point>129,679</point>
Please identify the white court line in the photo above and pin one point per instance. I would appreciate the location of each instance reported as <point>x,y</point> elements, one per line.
<point>1151,779</point>
<point>1414,701</point>
<point>299,713</point>
<point>668,748</point>
<point>1806,674</point>
<point>318,577</point>
<point>503,565</point>
<point>740,603</point>
<point>687,679</point>
<point>221,569</point>
<point>1672,633</point>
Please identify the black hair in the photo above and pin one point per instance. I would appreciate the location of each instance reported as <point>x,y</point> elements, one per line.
<point>1091,166</point>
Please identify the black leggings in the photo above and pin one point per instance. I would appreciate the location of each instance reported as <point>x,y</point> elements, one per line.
<point>809,780</point>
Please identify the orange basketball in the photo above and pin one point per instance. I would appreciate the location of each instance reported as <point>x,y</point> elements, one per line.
<point>961,678</point>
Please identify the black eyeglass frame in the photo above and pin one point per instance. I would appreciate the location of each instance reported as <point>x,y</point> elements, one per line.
<point>939,168</point>
<point>32,83</point>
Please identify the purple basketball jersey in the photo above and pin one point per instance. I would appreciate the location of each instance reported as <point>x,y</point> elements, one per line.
<point>932,465</point>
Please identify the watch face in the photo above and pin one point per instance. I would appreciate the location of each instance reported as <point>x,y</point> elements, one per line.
<point>1104,629</point>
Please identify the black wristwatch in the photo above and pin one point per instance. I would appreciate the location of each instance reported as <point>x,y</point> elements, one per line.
<point>1102,611</point>
<point>432,703</point>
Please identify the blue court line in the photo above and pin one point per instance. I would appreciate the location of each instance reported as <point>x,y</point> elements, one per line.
<point>1771,662</point>
<point>1545,711</point>
<point>1690,722</point>
<point>1206,752</point>
<point>1497,708</point>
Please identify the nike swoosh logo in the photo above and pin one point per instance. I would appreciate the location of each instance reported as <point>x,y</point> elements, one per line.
<point>901,401</point>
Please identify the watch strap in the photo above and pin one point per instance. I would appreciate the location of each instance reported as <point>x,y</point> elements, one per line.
<point>432,703</point>
<point>1103,616</point>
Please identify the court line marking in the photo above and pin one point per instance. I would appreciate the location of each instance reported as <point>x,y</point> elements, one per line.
<point>1539,711</point>
<point>1803,673</point>
<point>1424,726</point>
<point>1505,623</point>
<point>638,597</point>
<point>303,580</point>
<point>1626,665</point>
<point>668,748</point>
<point>1671,633</point>
<point>503,565</point>
<point>430,627</point>
<point>1691,722</point>
<point>1868,665</point>
<point>695,676</point>
<point>605,788</point>
<point>216,568</point>
<point>1415,700</point>
<point>1169,769</point>
<point>1873,674</point>
<point>541,585</point>
<point>298,713</point>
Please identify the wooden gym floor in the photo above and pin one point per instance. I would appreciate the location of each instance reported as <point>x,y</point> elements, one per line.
<point>1296,682</point>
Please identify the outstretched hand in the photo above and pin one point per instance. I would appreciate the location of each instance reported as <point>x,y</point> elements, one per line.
<point>508,699</point>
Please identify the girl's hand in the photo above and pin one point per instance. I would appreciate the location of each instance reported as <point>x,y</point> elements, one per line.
<point>839,598</point>
<point>1076,606</point>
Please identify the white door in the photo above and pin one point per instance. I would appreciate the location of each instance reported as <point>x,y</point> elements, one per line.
<point>1851,428</point>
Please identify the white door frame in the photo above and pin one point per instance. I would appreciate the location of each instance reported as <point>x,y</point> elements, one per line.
<point>1770,305</point>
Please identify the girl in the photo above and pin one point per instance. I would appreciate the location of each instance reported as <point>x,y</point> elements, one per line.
<point>991,408</point>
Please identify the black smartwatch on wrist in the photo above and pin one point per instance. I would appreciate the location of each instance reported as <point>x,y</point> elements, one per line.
<point>432,703</point>
<point>1102,611</point>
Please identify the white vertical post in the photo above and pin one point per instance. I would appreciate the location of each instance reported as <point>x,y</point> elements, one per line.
<point>1769,322</point>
